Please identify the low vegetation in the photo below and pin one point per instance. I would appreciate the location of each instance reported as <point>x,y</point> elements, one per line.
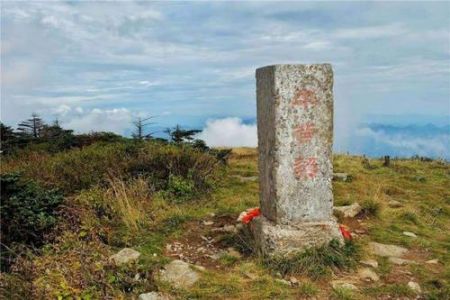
<point>84,204</point>
<point>317,262</point>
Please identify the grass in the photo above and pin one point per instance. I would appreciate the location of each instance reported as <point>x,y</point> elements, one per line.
<point>342,293</point>
<point>316,262</point>
<point>100,217</point>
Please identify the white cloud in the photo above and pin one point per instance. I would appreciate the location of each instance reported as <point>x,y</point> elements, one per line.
<point>371,32</point>
<point>229,132</point>
<point>115,120</point>
<point>407,144</point>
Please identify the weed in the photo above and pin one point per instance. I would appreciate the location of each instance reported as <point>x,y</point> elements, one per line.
<point>128,201</point>
<point>228,260</point>
<point>393,290</point>
<point>307,289</point>
<point>342,293</point>
<point>173,223</point>
<point>242,241</point>
<point>410,217</point>
<point>370,208</point>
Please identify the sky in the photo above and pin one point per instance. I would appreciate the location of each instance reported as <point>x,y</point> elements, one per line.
<point>99,65</point>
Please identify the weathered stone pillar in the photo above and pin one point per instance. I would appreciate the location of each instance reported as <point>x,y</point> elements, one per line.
<point>295,137</point>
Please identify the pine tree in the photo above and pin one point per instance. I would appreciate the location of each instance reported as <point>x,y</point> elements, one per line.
<point>31,127</point>
<point>8,138</point>
<point>140,125</point>
<point>179,135</point>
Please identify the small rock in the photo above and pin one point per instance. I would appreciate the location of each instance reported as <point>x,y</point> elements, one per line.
<point>229,228</point>
<point>394,204</point>
<point>410,234</point>
<point>415,287</point>
<point>337,284</point>
<point>432,261</point>
<point>370,263</point>
<point>212,215</point>
<point>208,223</point>
<point>282,281</point>
<point>294,281</point>
<point>349,211</point>
<point>234,253</point>
<point>386,250</point>
<point>400,261</point>
<point>180,274</point>
<point>154,296</point>
<point>124,256</point>
<point>342,177</point>
<point>360,231</point>
<point>368,274</point>
<point>226,228</point>
<point>250,275</point>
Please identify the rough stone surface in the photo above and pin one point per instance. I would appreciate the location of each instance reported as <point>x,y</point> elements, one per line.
<point>415,287</point>
<point>273,239</point>
<point>154,296</point>
<point>368,274</point>
<point>387,250</point>
<point>410,234</point>
<point>180,274</point>
<point>401,261</point>
<point>290,96</point>
<point>283,281</point>
<point>432,261</point>
<point>294,281</point>
<point>342,177</point>
<point>370,263</point>
<point>349,211</point>
<point>395,204</point>
<point>338,284</point>
<point>124,256</point>
<point>295,135</point>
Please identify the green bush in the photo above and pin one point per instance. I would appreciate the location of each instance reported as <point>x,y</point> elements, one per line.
<point>181,188</point>
<point>176,167</point>
<point>28,212</point>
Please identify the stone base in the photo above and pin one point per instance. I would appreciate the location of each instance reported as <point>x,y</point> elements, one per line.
<point>273,239</point>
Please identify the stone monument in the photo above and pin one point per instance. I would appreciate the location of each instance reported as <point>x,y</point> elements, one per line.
<point>295,137</point>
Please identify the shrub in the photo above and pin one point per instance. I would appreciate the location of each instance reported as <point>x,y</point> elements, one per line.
<point>28,212</point>
<point>80,169</point>
<point>180,188</point>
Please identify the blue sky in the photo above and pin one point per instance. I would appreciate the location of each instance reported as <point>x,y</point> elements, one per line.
<point>98,65</point>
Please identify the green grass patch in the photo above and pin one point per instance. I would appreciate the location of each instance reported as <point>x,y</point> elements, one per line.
<point>392,290</point>
<point>317,262</point>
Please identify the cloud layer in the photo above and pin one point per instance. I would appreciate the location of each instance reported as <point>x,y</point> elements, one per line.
<point>192,61</point>
<point>229,132</point>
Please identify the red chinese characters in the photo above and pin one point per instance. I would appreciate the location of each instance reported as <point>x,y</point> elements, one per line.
<point>304,97</point>
<point>305,168</point>
<point>304,132</point>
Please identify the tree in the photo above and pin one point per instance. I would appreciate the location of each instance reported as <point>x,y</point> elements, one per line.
<point>140,125</point>
<point>31,127</point>
<point>8,138</point>
<point>179,135</point>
